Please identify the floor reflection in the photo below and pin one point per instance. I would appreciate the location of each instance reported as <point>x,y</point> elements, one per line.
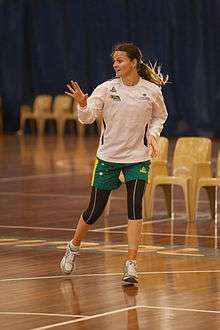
<point>130,293</point>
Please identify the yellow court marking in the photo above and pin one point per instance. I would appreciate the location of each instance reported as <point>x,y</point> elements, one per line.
<point>57,242</point>
<point>189,250</point>
<point>149,247</point>
<point>34,244</point>
<point>8,243</point>
<point>89,243</point>
<point>31,241</point>
<point>84,246</point>
<point>8,239</point>
<point>94,246</point>
<point>178,253</point>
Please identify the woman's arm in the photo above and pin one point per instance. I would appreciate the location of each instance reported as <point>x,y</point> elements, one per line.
<point>88,108</point>
<point>158,118</point>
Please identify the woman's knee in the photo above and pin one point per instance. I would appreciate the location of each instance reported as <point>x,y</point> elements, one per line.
<point>135,211</point>
<point>98,201</point>
<point>135,192</point>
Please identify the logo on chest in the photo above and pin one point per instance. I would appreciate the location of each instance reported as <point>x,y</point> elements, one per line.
<point>113,90</point>
<point>115,97</point>
<point>144,97</point>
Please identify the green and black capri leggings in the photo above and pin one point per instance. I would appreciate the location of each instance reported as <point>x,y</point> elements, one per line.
<point>106,178</point>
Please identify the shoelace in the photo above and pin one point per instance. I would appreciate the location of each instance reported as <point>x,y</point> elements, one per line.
<point>71,254</point>
<point>131,268</point>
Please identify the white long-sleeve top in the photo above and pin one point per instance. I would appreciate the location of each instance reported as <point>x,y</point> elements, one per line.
<point>128,112</point>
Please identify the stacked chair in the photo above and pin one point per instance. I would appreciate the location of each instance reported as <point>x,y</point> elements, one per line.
<point>210,184</point>
<point>59,109</point>
<point>192,158</point>
<point>158,167</point>
<point>61,106</point>
<point>42,104</point>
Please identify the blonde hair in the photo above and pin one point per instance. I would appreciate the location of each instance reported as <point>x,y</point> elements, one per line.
<point>152,72</point>
<point>149,72</point>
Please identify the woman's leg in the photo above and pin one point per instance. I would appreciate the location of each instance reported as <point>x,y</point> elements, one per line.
<point>97,204</point>
<point>135,192</point>
<point>98,201</point>
<point>134,235</point>
<point>81,231</point>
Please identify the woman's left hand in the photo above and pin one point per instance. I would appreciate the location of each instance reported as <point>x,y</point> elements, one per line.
<point>152,143</point>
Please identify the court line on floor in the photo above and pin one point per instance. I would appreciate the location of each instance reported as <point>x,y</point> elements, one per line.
<point>144,223</point>
<point>52,195</point>
<point>37,176</point>
<point>181,309</point>
<point>6,193</point>
<point>122,226</point>
<point>41,314</point>
<point>108,274</point>
<point>85,318</point>
<point>181,235</point>
<point>178,217</point>
<point>70,229</point>
<point>162,234</point>
<point>103,229</point>
<point>37,228</point>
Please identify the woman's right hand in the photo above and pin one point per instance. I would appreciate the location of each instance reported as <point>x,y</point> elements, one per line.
<point>76,92</point>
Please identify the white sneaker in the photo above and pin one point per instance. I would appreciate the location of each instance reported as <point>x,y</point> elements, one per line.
<point>130,273</point>
<point>68,262</point>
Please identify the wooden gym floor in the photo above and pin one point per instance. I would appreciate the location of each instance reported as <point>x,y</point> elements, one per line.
<point>44,186</point>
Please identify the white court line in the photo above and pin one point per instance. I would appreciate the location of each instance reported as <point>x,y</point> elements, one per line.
<point>124,226</point>
<point>181,235</point>
<point>55,277</point>
<point>162,234</point>
<point>103,229</point>
<point>70,229</point>
<point>37,176</point>
<point>6,193</point>
<point>180,309</point>
<point>41,314</point>
<point>85,318</point>
<point>53,228</point>
<point>52,195</point>
<point>216,271</point>
<point>36,228</point>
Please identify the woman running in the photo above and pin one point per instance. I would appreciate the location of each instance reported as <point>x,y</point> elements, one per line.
<point>133,112</point>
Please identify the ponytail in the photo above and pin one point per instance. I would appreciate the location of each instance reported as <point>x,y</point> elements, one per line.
<point>152,73</point>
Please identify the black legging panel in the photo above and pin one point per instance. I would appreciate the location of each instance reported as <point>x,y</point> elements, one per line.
<point>97,203</point>
<point>99,199</point>
<point>135,192</point>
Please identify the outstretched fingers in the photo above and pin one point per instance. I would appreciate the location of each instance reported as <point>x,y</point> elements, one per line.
<point>75,91</point>
<point>76,87</point>
<point>69,94</point>
<point>70,89</point>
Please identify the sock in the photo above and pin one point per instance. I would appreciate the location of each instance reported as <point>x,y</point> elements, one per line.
<point>74,247</point>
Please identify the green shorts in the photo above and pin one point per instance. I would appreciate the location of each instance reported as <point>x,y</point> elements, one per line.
<point>106,175</point>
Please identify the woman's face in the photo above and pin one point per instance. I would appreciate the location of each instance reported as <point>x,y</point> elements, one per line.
<point>122,64</point>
